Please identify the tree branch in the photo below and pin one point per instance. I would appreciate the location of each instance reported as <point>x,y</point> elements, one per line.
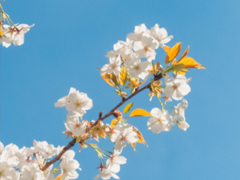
<point>72,143</point>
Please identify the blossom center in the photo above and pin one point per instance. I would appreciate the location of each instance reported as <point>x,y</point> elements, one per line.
<point>159,120</point>
<point>78,124</point>
<point>136,67</point>
<point>175,86</point>
<point>113,66</point>
<point>78,104</point>
<point>146,48</point>
<point>123,138</point>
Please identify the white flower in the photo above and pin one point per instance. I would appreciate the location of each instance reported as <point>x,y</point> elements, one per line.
<point>44,149</point>
<point>177,87</point>
<point>48,175</point>
<point>182,125</point>
<point>9,155</point>
<point>115,132</point>
<point>178,115</point>
<point>126,135</point>
<point>14,34</point>
<point>79,102</point>
<point>21,29</point>
<point>178,111</point>
<point>114,66</point>
<point>68,155</point>
<point>160,34</point>
<point>7,172</point>
<point>75,126</point>
<point>121,48</point>
<point>160,121</point>
<point>137,35</point>
<point>32,174</point>
<point>146,47</point>
<point>113,163</point>
<point>64,100</point>
<point>68,168</point>
<point>106,174</point>
<point>138,69</point>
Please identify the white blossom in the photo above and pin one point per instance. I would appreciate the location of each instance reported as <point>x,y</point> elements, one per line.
<point>138,69</point>
<point>14,34</point>
<point>177,87</point>
<point>68,169</point>
<point>161,35</point>
<point>137,35</point>
<point>106,174</point>
<point>126,135</point>
<point>178,115</point>
<point>21,29</point>
<point>114,162</point>
<point>178,111</point>
<point>79,102</point>
<point>7,172</point>
<point>75,126</point>
<point>32,174</point>
<point>114,66</point>
<point>121,49</point>
<point>64,100</point>
<point>44,149</point>
<point>146,47</point>
<point>183,125</point>
<point>160,121</point>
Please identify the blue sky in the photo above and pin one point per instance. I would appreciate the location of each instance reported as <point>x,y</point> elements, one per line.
<point>70,40</point>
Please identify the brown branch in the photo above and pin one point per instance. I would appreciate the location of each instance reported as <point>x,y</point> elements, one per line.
<point>69,146</point>
<point>72,143</point>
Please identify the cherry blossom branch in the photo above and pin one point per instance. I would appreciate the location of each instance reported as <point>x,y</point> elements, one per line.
<point>58,157</point>
<point>72,143</point>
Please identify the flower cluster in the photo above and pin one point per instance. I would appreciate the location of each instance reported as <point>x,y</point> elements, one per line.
<point>140,44</point>
<point>11,33</point>
<point>27,163</point>
<point>131,65</point>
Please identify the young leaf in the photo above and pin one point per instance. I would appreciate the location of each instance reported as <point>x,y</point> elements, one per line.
<point>185,53</point>
<point>139,112</point>
<point>123,76</point>
<point>1,33</point>
<point>113,123</point>
<point>172,53</point>
<point>188,62</point>
<point>106,77</point>
<point>128,108</point>
<point>140,138</point>
<point>58,177</point>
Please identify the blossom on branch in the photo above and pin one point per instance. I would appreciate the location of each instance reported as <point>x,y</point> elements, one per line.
<point>160,121</point>
<point>177,87</point>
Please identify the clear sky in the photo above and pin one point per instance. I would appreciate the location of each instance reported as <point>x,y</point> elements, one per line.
<point>70,40</point>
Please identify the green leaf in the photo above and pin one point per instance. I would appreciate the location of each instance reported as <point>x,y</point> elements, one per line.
<point>128,108</point>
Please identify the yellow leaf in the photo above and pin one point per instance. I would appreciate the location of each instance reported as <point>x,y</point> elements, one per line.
<point>185,53</point>
<point>140,138</point>
<point>1,33</point>
<point>127,108</point>
<point>107,78</point>
<point>172,53</point>
<point>188,62</point>
<point>133,145</point>
<point>139,112</point>
<point>123,76</point>
<point>113,123</point>
<point>58,177</point>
